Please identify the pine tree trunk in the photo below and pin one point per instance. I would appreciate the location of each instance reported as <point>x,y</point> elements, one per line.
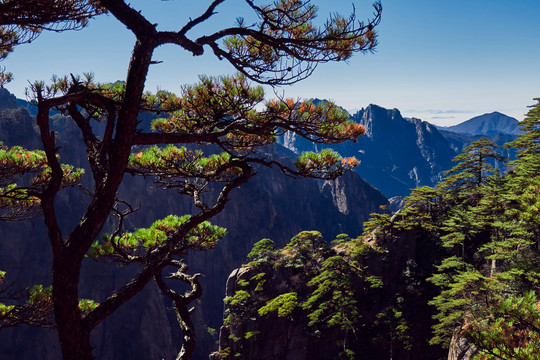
<point>74,338</point>
<point>184,319</point>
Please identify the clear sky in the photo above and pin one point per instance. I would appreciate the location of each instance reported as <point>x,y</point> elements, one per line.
<point>443,61</point>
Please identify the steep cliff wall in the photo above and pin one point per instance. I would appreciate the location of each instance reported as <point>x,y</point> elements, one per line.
<point>396,154</point>
<point>270,205</point>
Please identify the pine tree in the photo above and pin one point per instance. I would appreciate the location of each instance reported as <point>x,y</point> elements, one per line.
<point>486,286</point>
<point>283,48</point>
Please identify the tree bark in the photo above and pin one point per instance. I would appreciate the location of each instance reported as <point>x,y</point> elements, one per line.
<point>74,337</point>
<point>68,255</point>
<point>184,320</point>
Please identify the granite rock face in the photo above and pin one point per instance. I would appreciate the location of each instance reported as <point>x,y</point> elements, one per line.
<point>461,349</point>
<point>7,100</point>
<point>396,154</point>
<point>277,338</point>
<point>270,205</point>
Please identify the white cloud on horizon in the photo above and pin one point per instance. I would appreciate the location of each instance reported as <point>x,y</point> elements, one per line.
<point>432,111</point>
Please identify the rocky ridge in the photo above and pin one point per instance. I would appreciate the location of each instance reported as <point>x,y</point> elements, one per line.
<point>487,125</point>
<point>396,154</point>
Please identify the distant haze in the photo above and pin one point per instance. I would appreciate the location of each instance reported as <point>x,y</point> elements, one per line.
<point>447,118</point>
<point>451,118</point>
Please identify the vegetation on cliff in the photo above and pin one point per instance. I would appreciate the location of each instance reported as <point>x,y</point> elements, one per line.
<point>487,225</point>
<point>460,261</point>
<point>328,301</point>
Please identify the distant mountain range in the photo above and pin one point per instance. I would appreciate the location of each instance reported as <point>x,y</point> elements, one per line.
<point>498,128</point>
<point>398,154</point>
<point>487,125</point>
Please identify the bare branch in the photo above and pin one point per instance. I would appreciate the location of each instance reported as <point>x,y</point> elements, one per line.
<point>47,200</point>
<point>207,14</point>
<point>160,256</point>
<point>181,307</point>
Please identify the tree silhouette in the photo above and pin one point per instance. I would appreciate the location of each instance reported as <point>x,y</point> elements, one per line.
<point>21,22</point>
<point>219,120</point>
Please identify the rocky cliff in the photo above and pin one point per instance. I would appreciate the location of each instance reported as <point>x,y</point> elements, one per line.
<point>396,154</point>
<point>269,205</point>
<point>363,298</point>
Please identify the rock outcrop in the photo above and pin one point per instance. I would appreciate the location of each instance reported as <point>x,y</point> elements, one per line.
<point>392,318</point>
<point>283,338</point>
<point>460,349</point>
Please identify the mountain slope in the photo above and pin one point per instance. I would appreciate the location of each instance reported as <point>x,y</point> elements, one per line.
<point>459,141</point>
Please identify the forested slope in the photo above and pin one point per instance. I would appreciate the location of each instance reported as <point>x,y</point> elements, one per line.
<point>457,268</point>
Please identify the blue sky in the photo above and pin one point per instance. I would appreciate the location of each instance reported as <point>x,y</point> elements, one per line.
<point>443,61</point>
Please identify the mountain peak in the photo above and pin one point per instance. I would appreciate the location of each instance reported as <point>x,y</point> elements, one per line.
<point>376,108</point>
<point>486,125</point>
<point>7,100</point>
